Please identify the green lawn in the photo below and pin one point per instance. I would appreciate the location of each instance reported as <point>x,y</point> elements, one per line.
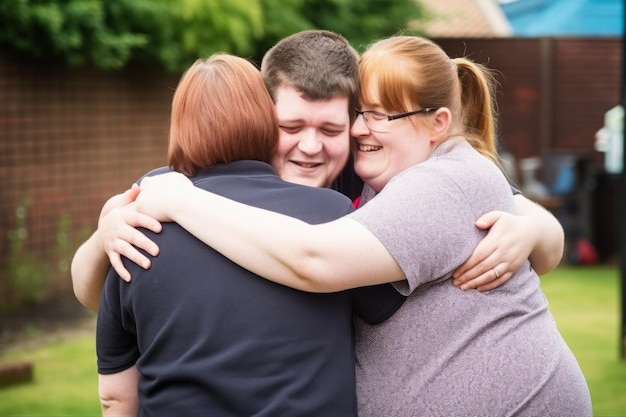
<point>584,300</point>
<point>65,381</point>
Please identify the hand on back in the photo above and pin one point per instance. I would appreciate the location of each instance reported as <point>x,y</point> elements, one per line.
<point>117,229</point>
<point>498,256</point>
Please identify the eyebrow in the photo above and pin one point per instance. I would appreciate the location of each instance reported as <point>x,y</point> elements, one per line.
<point>301,120</point>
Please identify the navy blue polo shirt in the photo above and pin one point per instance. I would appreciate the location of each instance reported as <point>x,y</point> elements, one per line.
<point>211,338</point>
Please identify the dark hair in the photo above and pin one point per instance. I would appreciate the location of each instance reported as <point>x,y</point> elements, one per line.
<point>320,64</point>
<point>221,112</point>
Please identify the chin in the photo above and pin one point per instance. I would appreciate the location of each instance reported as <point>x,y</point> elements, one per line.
<point>316,183</point>
<point>311,182</point>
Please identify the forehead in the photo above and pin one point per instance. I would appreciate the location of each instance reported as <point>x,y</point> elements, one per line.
<point>291,104</point>
<point>369,94</point>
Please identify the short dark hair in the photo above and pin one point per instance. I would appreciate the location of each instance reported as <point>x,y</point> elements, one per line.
<point>318,63</point>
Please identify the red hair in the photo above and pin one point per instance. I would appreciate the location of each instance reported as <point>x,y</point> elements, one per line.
<point>221,112</point>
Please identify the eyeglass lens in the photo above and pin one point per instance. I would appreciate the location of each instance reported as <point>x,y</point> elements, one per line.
<point>376,122</point>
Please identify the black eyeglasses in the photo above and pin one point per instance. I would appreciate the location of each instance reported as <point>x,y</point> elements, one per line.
<point>378,122</point>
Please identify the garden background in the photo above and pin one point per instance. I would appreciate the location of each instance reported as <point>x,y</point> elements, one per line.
<point>81,120</point>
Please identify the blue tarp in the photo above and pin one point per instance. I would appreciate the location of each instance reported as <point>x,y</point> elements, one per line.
<point>565,17</point>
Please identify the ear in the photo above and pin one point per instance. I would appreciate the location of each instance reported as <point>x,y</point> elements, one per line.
<point>441,123</point>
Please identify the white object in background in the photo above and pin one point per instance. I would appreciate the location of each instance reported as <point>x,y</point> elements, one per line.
<point>610,140</point>
<point>532,187</point>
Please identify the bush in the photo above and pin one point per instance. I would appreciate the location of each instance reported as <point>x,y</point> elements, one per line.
<point>109,34</point>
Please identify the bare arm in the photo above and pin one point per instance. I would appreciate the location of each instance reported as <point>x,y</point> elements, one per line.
<point>89,269</point>
<point>318,258</point>
<point>533,234</point>
<point>118,393</point>
<point>550,237</point>
<point>115,236</point>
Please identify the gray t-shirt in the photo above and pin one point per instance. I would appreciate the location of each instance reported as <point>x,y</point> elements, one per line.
<point>448,352</point>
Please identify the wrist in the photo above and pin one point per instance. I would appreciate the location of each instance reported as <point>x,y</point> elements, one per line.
<point>97,242</point>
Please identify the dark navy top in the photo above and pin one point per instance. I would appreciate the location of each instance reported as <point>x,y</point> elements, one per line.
<point>213,339</point>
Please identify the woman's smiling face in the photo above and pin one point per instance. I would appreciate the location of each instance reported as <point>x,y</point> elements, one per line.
<point>378,157</point>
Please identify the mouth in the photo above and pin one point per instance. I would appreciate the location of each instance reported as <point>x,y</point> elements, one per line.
<point>307,165</point>
<point>369,148</point>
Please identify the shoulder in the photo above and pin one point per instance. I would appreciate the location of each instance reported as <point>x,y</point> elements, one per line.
<point>156,171</point>
<point>320,204</point>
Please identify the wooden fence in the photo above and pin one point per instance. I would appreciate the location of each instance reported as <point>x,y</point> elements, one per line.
<point>70,138</point>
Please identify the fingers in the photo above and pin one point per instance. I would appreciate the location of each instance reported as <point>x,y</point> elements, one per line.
<point>471,269</point>
<point>118,266</point>
<point>488,219</point>
<point>129,215</point>
<point>128,251</point>
<point>120,237</point>
<point>121,225</point>
<point>137,219</point>
<point>129,233</point>
<point>476,265</point>
<point>114,202</point>
<point>132,193</point>
<point>488,279</point>
<point>126,241</point>
<point>494,284</point>
<point>120,200</point>
<point>141,241</point>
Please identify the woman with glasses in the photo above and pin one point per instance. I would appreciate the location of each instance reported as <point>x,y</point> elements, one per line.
<point>424,145</point>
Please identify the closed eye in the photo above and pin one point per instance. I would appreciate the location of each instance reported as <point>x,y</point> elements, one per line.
<point>291,129</point>
<point>376,115</point>
<point>332,132</point>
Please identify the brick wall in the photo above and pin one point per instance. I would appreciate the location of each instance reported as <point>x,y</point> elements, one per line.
<point>553,91</point>
<point>70,138</point>
<point>552,99</point>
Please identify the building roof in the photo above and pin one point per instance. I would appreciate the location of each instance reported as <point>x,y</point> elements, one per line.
<point>464,19</point>
<point>504,18</point>
<point>565,17</point>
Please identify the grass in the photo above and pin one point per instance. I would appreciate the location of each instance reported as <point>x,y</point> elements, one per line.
<point>65,381</point>
<point>584,300</point>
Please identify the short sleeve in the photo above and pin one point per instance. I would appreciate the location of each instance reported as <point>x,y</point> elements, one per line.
<point>376,303</point>
<point>116,347</point>
<point>424,221</point>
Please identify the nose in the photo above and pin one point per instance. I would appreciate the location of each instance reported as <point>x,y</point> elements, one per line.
<point>310,144</point>
<point>359,127</point>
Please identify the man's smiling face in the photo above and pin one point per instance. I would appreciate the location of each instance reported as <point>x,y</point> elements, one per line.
<point>314,143</point>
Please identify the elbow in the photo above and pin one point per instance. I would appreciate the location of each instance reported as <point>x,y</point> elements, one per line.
<point>542,268</point>
<point>83,296</point>
<point>115,406</point>
<point>552,249</point>
<point>313,275</point>
<point>304,281</point>
<point>107,405</point>
<point>322,286</point>
<point>545,264</point>
<point>118,393</point>
<point>89,304</point>
<point>558,251</point>
<point>110,406</point>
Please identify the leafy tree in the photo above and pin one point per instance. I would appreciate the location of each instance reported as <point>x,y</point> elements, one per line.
<point>76,31</point>
<point>109,34</point>
<point>360,21</point>
<point>363,21</point>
